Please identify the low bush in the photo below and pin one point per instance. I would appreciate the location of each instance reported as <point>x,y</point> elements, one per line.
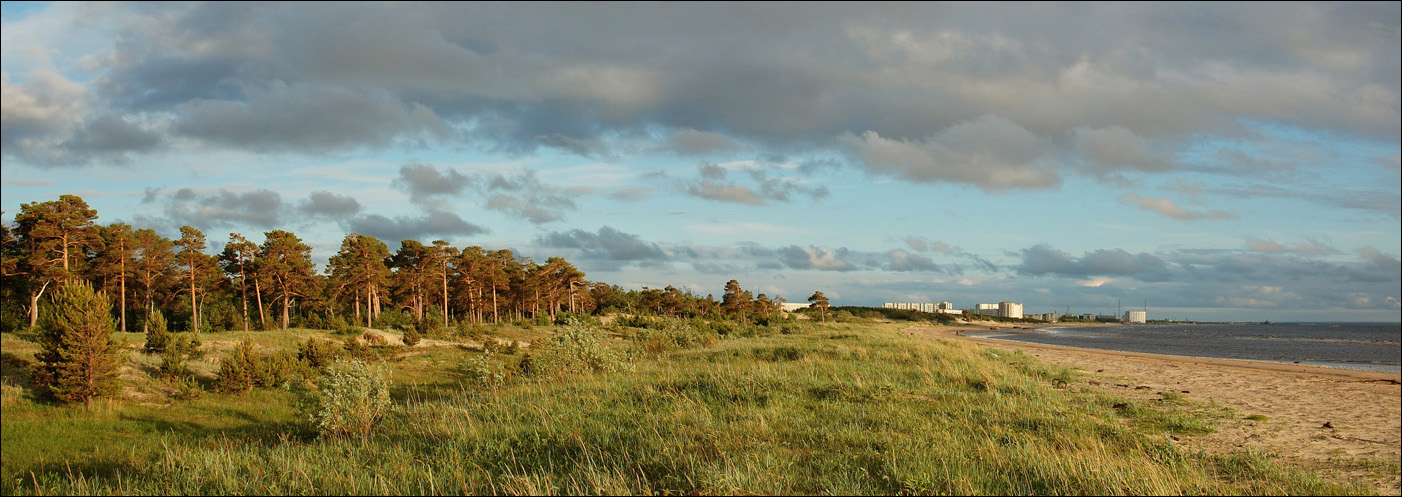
<point>577,349</point>
<point>350,398</point>
<point>486,371</point>
<point>317,354</point>
<point>186,388</point>
<point>173,359</point>
<point>674,334</point>
<point>356,349</point>
<point>374,339</point>
<point>237,371</point>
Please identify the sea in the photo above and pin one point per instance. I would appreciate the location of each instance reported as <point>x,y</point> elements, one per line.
<point>1365,346</point>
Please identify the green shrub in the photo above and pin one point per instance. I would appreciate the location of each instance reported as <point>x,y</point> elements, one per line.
<point>173,359</point>
<point>674,334</point>
<point>273,371</point>
<point>484,371</point>
<point>157,336</point>
<point>393,319</point>
<point>411,336</point>
<point>237,372</point>
<point>356,349</point>
<point>193,347</point>
<point>186,388</point>
<point>577,349</point>
<point>471,331</point>
<point>351,397</point>
<point>317,354</point>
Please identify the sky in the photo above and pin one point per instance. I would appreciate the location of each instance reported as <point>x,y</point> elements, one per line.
<point>1218,161</point>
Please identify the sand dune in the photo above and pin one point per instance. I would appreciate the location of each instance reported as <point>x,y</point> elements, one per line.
<point>1341,422</point>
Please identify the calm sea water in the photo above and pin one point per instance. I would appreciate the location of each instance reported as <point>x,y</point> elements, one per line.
<point>1370,346</point>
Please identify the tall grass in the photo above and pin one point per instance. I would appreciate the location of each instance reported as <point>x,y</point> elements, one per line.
<point>837,409</point>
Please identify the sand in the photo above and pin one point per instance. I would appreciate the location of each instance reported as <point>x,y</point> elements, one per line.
<point>1343,423</point>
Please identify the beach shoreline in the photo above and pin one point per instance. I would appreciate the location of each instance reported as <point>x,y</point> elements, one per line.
<point>1293,367</point>
<point>1338,421</point>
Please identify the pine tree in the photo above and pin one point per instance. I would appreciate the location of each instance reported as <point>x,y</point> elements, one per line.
<point>79,359</point>
<point>821,303</point>
<point>157,335</point>
<point>237,371</point>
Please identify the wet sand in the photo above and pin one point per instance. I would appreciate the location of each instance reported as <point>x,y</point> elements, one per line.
<point>1329,419</point>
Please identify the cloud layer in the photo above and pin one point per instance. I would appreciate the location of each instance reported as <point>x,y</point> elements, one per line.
<point>997,96</point>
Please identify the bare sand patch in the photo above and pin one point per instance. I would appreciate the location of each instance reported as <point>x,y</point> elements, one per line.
<point>1343,423</point>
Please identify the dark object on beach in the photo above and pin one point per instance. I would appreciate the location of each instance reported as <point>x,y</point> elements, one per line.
<point>1328,425</point>
<point>1142,387</point>
<point>1122,385</point>
<point>1093,382</point>
<point>1121,406</point>
<point>1185,391</point>
<point>1100,370</point>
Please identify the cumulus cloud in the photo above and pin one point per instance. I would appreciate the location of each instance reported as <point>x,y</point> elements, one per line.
<point>1117,148</point>
<point>711,183</point>
<point>524,195</point>
<point>220,208</point>
<point>818,258</point>
<point>990,152</point>
<point>327,205</point>
<point>1167,207</point>
<point>607,244</point>
<point>901,260</point>
<point>521,194</point>
<point>49,121</point>
<point>432,224</point>
<point>1041,260</point>
<point>423,181</point>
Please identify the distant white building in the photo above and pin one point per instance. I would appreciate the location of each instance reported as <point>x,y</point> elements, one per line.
<point>985,309</point>
<point>1010,310</point>
<point>1136,317</point>
<point>793,306</point>
<point>912,306</point>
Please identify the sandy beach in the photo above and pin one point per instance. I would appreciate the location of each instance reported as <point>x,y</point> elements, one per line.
<point>1340,422</point>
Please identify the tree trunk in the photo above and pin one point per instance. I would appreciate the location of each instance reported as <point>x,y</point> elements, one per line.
<point>194,309</point>
<point>258,292</point>
<point>243,288</point>
<point>34,308</point>
<point>122,280</point>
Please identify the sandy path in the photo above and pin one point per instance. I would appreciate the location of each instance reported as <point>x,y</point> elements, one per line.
<point>1362,409</point>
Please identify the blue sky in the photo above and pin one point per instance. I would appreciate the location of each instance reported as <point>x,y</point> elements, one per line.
<point>1219,161</point>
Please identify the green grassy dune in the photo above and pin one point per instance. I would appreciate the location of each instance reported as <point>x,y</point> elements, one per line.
<point>817,409</point>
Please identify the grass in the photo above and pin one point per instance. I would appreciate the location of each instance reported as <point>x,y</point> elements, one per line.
<point>833,409</point>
